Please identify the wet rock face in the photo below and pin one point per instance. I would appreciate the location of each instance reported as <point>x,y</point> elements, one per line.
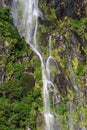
<point>65,7</point>
<point>4,3</point>
<point>2,69</point>
<point>84,8</point>
<point>63,83</point>
<point>70,8</point>
<point>1,4</point>
<point>8,2</point>
<point>28,83</point>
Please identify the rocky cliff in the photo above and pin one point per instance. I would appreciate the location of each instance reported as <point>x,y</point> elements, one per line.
<point>20,75</point>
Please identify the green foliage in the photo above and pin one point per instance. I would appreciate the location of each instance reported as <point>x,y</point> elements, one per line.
<point>60,109</point>
<point>62,115</point>
<point>75,63</point>
<point>37,65</point>
<point>18,108</point>
<point>52,15</point>
<point>80,70</point>
<point>7,29</point>
<point>62,49</point>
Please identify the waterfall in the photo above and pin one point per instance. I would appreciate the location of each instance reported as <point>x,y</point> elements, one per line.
<point>25,15</point>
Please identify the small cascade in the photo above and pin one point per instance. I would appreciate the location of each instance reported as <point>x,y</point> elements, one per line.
<point>50,119</point>
<point>50,47</point>
<point>70,109</point>
<point>25,14</point>
<point>70,103</point>
<point>72,76</point>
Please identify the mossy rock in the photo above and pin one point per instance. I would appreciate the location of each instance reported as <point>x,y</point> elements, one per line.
<point>28,83</point>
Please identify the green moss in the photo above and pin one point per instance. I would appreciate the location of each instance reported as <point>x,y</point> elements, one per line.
<point>62,115</point>
<point>75,64</point>
<point>80,70</point>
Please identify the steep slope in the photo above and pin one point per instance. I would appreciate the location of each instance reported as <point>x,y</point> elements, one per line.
<point>20,74</point>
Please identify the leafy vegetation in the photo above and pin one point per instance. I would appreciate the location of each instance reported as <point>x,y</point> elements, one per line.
<point>18,102</point>
<point>69,43</point>
<point>21,91</point>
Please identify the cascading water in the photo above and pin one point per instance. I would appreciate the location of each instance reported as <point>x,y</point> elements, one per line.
<point>25,15</point>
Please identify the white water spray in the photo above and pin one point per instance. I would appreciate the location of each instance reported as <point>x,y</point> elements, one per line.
<point>25,14</point>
